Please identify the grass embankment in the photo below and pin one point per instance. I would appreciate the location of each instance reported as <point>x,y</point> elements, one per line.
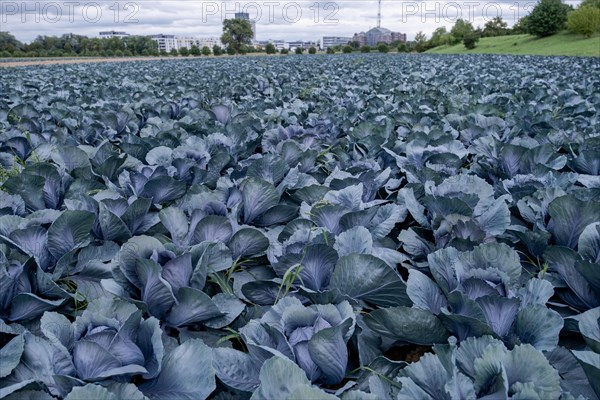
<point>561,44</point>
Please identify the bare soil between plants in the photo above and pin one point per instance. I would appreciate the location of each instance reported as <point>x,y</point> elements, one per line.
<point>80,61</point>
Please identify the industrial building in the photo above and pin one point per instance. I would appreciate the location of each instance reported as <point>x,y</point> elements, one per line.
<point>333,41</point>
<point>303,45</point>
<point>378,34</point>
<point>279,44</point>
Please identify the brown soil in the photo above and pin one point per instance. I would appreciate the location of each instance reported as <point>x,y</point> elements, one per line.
<point>44,61</point>
<point>79,61</point>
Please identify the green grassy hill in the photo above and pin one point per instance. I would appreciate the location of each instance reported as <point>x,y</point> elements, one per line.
<point>561,44</point>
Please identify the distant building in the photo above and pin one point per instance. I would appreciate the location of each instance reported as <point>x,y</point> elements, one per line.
<point>188,42</point>
<point>208,42</point>
<point>378,35</point>
<point>246,17</point>
<point>333,41</point>
<point>185,41</point>
<point>315,44</point>
<point>279,44</point>
<point>112,34</point>
<point>170,42</point>
<point>302,44</point>
<point>165,42</point>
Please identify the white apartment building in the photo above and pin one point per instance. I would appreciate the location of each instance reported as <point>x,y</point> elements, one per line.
<point>170,42</point>
<point>208,42</point>
<point>165,42</point>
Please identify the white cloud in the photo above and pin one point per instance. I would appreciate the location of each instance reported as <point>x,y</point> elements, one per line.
<point>290,20</point>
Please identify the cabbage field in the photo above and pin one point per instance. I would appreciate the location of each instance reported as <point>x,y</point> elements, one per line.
<point>303,227</point>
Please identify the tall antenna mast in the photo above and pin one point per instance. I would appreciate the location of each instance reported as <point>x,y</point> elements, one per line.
<point>379,15</point>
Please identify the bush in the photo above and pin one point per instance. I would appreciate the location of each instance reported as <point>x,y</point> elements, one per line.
<point>174,52</point>
<point>347,49</point>
<point>184,51</point>
<point>206,51</point>
<point>285,51</point>
<point>402,48</point>
<point>330,50</point>
<point>195,51</point>
<point>299,50</point>
<point>585,20</point>
<point>230,51</point>
<point>5,54</point>
<point>470,40</point>
<point>365,49</point>
<point>383,48</point>
<point>312,50</point>
<point>270,48</point>
<point>547,18</point>
<point>217,50</point>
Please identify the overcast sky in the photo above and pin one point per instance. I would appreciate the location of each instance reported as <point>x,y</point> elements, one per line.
<point>287,20</point>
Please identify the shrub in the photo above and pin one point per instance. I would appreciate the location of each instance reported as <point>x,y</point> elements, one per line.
<point>206,51</point>
<point>365,49</point>
<point>270,48</point>
<point>547,18</point>
<point>230,51</point>
<point>470,40</point>
<point>330,50</point>
<point>383,48</point>
<point>312,50</point>
<point>174,52</point>
<point>347,49</point>
<point>402,48</point>
<point>195,51</point>
<point>285,51</point>
<point>217,50</point>
<point>184,52</point>
<point>585,20</point>
<point>299,50</point>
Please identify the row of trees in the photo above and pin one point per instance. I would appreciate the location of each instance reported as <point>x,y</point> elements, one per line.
<point>77,45</point>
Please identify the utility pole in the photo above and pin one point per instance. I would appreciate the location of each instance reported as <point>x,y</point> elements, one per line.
<point>379,15</point>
